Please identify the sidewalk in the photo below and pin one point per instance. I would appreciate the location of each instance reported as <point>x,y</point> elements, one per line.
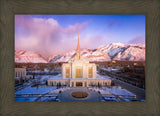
<point>92,95</point>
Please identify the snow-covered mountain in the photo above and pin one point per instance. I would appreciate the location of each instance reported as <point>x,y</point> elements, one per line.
<point>113,51</point>
<point>132,53</point>
<point>90,54</point>
<point>120,51</point>
<point>54,57</point>
<point>22,56</point>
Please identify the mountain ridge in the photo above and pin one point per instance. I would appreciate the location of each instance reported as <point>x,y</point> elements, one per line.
<point>113,51</point>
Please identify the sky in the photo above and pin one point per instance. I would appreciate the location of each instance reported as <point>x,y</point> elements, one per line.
<point>57,34</point>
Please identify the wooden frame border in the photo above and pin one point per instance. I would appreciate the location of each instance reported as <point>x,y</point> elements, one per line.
<point>8,8</point>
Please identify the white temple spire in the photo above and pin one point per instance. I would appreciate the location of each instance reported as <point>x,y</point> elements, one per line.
<point>78,49</point>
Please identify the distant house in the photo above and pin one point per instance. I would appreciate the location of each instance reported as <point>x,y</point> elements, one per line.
<point>20,75</point>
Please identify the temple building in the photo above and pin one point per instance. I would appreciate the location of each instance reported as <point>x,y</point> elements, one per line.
<point>79,72</point>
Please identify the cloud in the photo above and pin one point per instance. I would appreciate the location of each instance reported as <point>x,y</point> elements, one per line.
<point>111,23</point>
<point>137,39</point>
<point>75,28</point>
<point>92,40</point>
<point>44,36</point>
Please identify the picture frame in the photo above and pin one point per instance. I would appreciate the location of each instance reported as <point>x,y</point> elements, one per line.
<point>10,107</point>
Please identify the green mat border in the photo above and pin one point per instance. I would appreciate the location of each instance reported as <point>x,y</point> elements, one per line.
<point>8,8</point>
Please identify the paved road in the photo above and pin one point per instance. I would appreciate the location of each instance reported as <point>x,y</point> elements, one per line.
<point>92,95</point>
<point>140,93</point>
<point>23,86</point>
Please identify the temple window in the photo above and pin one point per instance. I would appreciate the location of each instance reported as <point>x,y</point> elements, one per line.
<point>79,72</point>
<point>90,72</point>
<point>67,72</point>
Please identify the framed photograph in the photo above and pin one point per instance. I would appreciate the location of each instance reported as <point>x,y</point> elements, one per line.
<point>82,58</point>
<point>78,58</point>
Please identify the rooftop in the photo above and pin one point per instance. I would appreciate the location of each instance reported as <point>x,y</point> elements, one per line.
<point>59,76</point>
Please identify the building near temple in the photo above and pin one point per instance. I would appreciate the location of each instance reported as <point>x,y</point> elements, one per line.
<point>79,72</point>
<point>20,74</point>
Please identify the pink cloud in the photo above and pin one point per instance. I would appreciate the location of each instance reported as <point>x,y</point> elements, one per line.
<point>137,39</point>
<point>92,41</point>
<point>75,28</point>
<point>45,36</point>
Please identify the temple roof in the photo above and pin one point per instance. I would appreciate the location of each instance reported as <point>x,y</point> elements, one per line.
<point>78,57</point>
<point>78,45</point>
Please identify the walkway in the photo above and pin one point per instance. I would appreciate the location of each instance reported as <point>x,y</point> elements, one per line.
<point>92,95</point>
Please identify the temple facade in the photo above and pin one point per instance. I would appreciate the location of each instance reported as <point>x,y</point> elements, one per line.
<point>78,67</point>
<point>79,72</point>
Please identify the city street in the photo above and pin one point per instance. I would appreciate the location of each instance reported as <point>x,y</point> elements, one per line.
<point>140,93</point>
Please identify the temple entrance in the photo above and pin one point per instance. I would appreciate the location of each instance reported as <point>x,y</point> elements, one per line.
<point>79,84</point>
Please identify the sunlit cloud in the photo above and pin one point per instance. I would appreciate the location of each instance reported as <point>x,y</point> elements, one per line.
<point>44,35</point>
<point>57,34</point>
<point>74,28</point>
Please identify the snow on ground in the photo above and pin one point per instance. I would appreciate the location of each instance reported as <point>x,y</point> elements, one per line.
<point>47,98</point>
<point>52,91</point>
<point>102,77</point>
<point>114,91</point>
<point>36,90</point>
<point>25,99</point>
<point>56,91</point>
<point>59,76</point>
<point>110,69</point>
<point>118,91</point>
<point>46,77</point>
